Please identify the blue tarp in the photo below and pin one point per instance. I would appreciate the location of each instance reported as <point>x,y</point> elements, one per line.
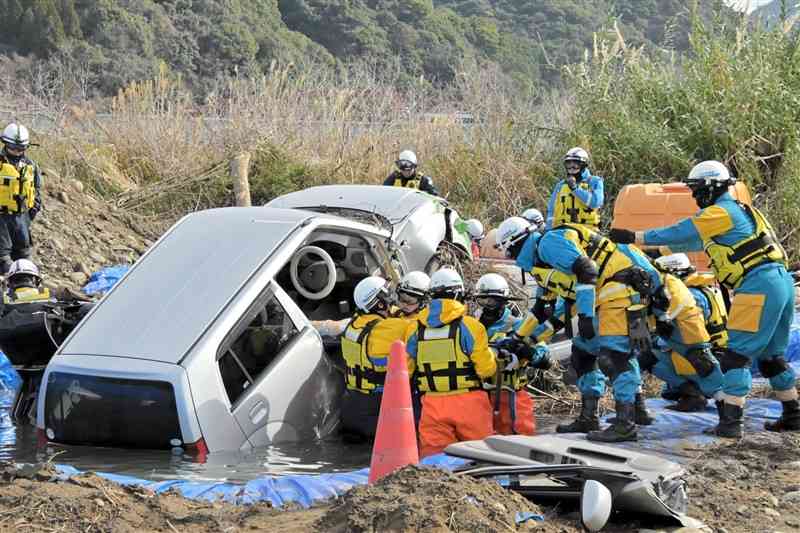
<point>102,280</point>
<point>277,490</point>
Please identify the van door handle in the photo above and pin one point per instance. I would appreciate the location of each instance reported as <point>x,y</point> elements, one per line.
<point>257,413</point>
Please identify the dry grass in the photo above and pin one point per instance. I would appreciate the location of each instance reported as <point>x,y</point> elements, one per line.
<point>305,127</point>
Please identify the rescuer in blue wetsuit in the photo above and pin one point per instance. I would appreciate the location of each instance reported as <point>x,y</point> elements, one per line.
<point>604,283</point>
<point>748,259</point>
<point>578,198</point>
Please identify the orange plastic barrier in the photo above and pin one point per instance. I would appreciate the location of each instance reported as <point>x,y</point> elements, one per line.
<point>654,205</point>
<point>395,438</point>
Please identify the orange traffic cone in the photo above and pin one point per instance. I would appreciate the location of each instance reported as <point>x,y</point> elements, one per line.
<point>395,437</point>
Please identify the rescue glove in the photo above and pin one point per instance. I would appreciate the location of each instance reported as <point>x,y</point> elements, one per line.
<point>541,358</point>
<point>541,310</point>
<point>512,343</point>
<point>622,236</point>
<point>32,212</point>
<point>571,183</point>
<point>664,327</point>
<point>586,327</point>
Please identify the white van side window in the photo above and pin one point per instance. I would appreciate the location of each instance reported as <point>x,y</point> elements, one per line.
<point>255,342</point>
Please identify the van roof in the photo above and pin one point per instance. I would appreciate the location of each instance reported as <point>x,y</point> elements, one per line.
<point>392,203</point>
<point>173,293</point>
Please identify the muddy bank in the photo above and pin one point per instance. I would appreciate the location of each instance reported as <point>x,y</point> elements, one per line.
<point>752,485</point>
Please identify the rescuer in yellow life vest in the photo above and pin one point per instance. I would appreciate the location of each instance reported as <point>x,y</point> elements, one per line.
<point>682,356</point>
<point>20,195</point>
<point>578,198</point>
<point>407,174</point>
<point>513,406</point>
<point>365,348</point>
<point>24,284</point>
<point>451,356</point>
<point>748,259</point>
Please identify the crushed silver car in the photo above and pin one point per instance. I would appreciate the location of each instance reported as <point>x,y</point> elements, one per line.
<point>209,341</point>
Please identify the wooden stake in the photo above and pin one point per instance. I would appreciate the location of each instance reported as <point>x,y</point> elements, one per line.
<point>240,172</point>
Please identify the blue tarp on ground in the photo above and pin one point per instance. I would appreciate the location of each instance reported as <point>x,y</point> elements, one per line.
<point>277,490</point>
<point>102,280</point>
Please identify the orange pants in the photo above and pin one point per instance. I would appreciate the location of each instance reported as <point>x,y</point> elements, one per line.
<point>453,418</point>
<point>525,421</point>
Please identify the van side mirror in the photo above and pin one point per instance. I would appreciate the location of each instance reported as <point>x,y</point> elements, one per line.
<point>596,502</point>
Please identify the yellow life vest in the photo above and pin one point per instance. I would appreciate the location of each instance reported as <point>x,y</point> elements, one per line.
<point>569,209</point>
<point>598,248</point>
<point>441,365</point>
<point>26,295</point>
<point>717,322</point>
<point>360,374</point>
<point>17,190</point>
<point>412,183</point>
<point>732,263</point>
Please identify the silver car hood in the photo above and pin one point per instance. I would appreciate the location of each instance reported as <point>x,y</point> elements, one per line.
<point>174,292</point>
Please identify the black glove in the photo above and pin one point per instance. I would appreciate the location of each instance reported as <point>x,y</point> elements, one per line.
<point>32,212</point>
<point>653,253</point>
<point>586,327</point>
<point>622,236</point>
<point>571,183</point>
<point>664,328</point>
<point>511,343</point>
<point>541,310</point>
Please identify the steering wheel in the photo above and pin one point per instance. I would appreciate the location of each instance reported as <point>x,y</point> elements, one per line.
<point>307,279</point>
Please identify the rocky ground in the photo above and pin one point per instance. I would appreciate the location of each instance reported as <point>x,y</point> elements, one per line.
<point>77,234</point>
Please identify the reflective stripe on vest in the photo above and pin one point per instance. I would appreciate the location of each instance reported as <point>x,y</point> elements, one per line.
<point>25,295</point>
<point>570,209</point>
<point>360,373</point>
<point>732,263</point>
<point>441,365</point>
<point>17,191</point>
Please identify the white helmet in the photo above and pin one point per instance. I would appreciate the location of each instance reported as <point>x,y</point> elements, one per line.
<point>475,229</point>
<point>407,156</point>
<point>16,135</point>
<point>511,231</point>
<point>492,285</point>
<point>534,216</point>
<point>369,292</point>
<point>416,283</point>
<point>23,266</point>
<point>674,263</point>
<point>709,173</point>
<point>577,154</point>
<point>446,282</point>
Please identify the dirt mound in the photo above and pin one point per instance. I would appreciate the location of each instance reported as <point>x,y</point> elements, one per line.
<point>426,499</point>
<point>77,233</point>
<point>748,485</point>
<point>29,501</point>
